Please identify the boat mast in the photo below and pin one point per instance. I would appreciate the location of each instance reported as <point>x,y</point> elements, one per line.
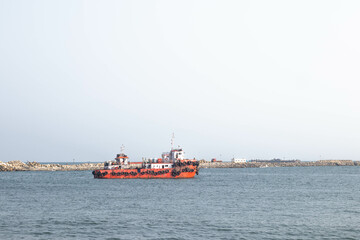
<point>172,141</point>
<point>122,148</point>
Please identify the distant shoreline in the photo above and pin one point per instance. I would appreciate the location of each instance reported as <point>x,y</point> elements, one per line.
<point>35,166</point>
<point>280,164</point>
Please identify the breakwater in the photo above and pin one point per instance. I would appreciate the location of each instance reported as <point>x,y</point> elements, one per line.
<point>280,164</point>
<point>35,166</point>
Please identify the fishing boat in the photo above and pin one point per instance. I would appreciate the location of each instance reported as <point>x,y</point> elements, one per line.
<point>171,165</point>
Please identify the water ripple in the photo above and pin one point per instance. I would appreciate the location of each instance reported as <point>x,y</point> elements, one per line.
<point>271,203</point>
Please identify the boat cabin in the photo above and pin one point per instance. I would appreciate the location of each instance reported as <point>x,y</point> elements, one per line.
<point>167,160</point>
<point>121,160</point>
<point>158,165</point>
<point>174,154</point>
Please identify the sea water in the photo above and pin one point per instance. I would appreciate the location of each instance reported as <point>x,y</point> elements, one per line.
<point>241,203</point>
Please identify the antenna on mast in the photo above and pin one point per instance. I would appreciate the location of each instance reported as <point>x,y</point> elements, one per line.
<point>172,141</point>
<point>122,148</point>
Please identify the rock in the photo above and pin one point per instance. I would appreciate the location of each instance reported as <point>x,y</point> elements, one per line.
<point>33,164</point>
<point>16,163</point>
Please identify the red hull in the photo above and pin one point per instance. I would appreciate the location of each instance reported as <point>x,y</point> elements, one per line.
<point>188,172</point>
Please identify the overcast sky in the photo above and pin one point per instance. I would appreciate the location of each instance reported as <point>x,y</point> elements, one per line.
<point>247,79</point>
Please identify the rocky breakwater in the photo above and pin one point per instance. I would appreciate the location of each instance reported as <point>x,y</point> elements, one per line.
<point>35,166</point>
<point>280,164</point>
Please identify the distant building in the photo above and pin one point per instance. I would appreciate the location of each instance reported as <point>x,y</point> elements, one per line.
<point>238,160</point>
<point>214,160</point>
<point>274,160</point>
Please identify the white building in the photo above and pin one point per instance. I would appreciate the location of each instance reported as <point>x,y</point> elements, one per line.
<point>238,160</point>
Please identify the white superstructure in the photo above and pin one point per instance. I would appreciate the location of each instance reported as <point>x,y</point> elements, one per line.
<point>238,160</point>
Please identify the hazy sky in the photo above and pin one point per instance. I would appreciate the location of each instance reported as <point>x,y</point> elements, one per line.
<point>249,79</point>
